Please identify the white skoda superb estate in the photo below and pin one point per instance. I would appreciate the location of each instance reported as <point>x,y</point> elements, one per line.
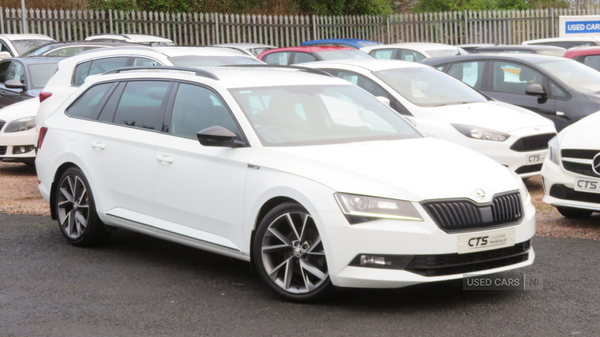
<point>308,177</point>
<point>571,172</point>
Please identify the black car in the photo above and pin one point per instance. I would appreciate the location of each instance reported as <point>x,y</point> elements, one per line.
<point>521,49</point>
<point>558,88</point>
<point>22,78</point>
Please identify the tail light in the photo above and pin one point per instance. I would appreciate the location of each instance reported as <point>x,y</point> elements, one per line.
<point>41,137</point>
<point>44,95</point>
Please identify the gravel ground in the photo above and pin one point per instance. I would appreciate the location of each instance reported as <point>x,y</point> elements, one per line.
<point>19,195</point>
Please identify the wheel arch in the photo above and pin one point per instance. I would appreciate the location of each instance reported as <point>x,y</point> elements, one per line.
<point>59,172</point>
<point>265,208</point>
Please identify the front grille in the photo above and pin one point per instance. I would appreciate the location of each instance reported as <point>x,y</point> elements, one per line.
<point>450,264</point>
<point>579,154</point>
<point>579,168</point>
<point>2,150</point>
<point>561,191</point>
<point>529,169</point>
<point>464,214</point>
<point>532,143</point>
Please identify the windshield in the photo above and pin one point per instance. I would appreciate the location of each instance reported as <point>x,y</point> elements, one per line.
<point>342,54</point>
<point>24,45</point>
<point>209,61</point>
<point>426,87</point>
<point>577,75</point>
<point>41,49</point>
<point>319,114</point>
<point>444,52</point>
<point>40,74</point>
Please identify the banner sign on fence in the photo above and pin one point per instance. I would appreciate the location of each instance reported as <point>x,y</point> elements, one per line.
<point>582,25</point>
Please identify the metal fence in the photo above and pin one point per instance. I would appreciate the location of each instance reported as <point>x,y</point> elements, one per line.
<point>504,26</point>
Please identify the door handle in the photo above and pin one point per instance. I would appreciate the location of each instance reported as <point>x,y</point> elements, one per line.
<point>165,159</point>
<point>98,145</point>
<point>560,113</point>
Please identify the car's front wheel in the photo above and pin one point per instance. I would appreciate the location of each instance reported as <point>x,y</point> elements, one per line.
<point>76,211</point>
<point>289,255</point>
<point>574,213</point>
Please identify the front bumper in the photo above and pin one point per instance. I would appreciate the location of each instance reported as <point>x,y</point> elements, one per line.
<point>559,189</point>
<point>12,143</point>
<point>420,241</point>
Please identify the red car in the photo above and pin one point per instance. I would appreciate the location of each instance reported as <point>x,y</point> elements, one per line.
<point>587,55</point>
<point>292,55</point>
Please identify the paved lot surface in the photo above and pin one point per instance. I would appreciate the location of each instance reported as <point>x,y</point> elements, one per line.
<point>136,285</point>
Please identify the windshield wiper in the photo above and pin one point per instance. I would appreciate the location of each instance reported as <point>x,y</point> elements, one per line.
<point>453,103</point>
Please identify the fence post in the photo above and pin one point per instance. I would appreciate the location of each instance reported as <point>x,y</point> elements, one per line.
<point>110,21</point>
<point>387,28</point>
<point>314,27</point>
<point>552,22</point>
<point>466,27</point>
<point>217,39</point>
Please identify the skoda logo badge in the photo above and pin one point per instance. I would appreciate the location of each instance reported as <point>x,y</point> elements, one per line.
<point>480,193</point>
<point>596,164</point>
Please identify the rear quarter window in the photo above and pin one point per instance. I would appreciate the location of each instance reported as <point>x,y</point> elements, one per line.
<point>86,104</point>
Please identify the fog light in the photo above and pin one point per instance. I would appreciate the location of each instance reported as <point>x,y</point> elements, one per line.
<point>21,149</point>
<point>373,260</point>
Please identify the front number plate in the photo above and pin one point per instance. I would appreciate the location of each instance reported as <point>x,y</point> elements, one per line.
<point>533,159</point>
<point>587,185</point>
<point>477,242</point>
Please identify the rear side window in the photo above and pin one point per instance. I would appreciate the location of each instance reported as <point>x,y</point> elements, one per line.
<point>142,104</point>
<point>592,61</point>
<point>469,72</point>
<point>281,58</point>
<point>82,71</point>
<point>87,103</point>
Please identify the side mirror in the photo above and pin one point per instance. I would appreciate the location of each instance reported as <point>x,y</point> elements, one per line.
<point>384,100</point>
<point>536,90</point>
<point>14,84</point>
<point>218,136</point>
<point>4,55</point>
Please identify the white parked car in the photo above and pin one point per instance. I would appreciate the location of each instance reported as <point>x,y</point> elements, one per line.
<point>17,132</point>
<point>252,49</point>
<point>444,107</point>
<point>13,45</point>
<point>566,42</point>
<point>143,39</point>
<point>73,71</point>
<point>571,171</point>
<point>412,52</point>
<point>308,177</point>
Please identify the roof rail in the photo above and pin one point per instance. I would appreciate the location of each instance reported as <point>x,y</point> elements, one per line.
<point>308,70</point>
<point>198,72</point>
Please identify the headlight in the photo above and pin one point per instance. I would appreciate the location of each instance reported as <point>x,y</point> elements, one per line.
<point>360,208</point>
<point>481,133</point>
<point>553,150</point>
<point>21,124</point>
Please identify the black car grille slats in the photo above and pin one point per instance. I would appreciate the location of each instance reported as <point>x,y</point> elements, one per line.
<point>529,169</point>
<point>579,168</point>
<point>2,150</point>
<point>560,191</point>
<point>450,264</point>
<point>532,143</point>
<point>507,208</point>
<point>462,215</point>
<point>579,154</point>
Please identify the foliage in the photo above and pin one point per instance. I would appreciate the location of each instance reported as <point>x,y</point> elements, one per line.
<point>480,5</point>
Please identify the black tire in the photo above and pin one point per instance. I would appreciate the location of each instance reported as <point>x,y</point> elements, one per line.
<point>76,210</point>
<point>291,259</point>
<point>574,213</point>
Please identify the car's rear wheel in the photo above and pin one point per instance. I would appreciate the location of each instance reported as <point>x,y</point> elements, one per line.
<point>574,213</point>
<point>289,255</point>
<point>76,211</point>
